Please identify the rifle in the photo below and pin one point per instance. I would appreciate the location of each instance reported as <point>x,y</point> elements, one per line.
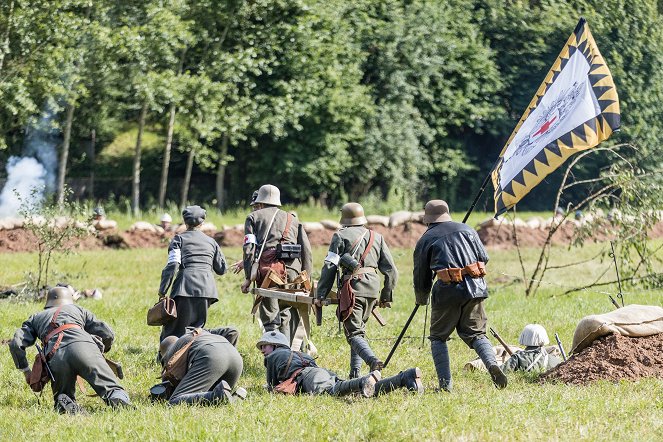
<point>43,359</point>
<point>501,341</point>
<point>561,347</point>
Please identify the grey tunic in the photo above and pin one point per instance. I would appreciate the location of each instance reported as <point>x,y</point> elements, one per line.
<point>210,359</point>
<point>77,355</point>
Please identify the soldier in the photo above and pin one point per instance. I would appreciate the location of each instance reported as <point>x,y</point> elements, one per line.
<point>298,370</point>
<point>99,221</point>
<point>534,357</point>
<point>358,253</point>
<point>266,229</point>
<point>453,252</point>
<point>212,366</point>
<point>73,341</point>
<point>166,222</point>
<point>194,257</point>
<point>239,265</point>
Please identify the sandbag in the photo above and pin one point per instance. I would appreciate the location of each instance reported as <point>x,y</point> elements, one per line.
<point>632,320</point>
<point>208,228</point>
<point>312,226</point>
<point>330,224</point>
<point>143,225</point>
<point>398,218</point>
<point>380,220</point>
<point>417,217</point>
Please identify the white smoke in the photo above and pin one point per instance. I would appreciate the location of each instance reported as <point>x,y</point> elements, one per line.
<point>26,179</point>
<point>34,173</point>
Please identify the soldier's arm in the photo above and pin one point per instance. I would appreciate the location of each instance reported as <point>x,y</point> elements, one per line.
<point>511,364</point>
<point>480,249</point>
<point>387,267</point>
<point>422,275</point>
<point>329,267</point>
<point>250,244</point>
<point>99,328</point>
<point>23,338</point>
<point>219,261</point>
<point>307,258</point>
<point>173,263</point>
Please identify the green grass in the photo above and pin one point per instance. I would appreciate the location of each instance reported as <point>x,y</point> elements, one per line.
<point>474,411</point>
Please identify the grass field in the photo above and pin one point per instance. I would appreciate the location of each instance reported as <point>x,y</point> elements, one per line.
<point>474,411</point>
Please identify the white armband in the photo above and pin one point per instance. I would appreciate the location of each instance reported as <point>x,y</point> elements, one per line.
<point>332,258</point>
<point>250,239</point>
<point>175,255</point>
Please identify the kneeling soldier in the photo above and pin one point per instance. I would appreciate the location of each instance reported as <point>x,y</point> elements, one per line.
<point>292,372</point>
<point>203,366</point>
<point>534,357</point>
<point>358,253</point>
<point>73,341</point>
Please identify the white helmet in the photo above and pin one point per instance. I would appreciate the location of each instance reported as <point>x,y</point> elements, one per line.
<point>165,218</point>
<point>275,338</point>
<point>534,335</point>
<point>269,194</point>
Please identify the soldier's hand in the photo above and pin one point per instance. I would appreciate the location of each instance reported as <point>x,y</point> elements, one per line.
<point>237,267</point>
<point>384,304</point>
<point>245,286</point>
<point>161,295</point>
<point>27,375</point>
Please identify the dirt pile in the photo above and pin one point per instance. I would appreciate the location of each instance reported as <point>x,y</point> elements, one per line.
<point>612,358</point>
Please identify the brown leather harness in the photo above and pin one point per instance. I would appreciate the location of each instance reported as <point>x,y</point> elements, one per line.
<point>54,329</point>
<point>455,275</point>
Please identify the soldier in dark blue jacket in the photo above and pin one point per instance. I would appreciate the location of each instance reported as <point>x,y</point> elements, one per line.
<point>454,254</point>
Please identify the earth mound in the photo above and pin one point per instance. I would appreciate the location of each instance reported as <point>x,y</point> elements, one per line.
<point>612,358</point>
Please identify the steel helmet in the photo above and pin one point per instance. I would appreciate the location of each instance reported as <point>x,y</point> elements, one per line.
<point>165,218</point>
<point>268,194</point>
<point>352,214</point>
<point>534,335</point>
<point>275,338</point>
<point>59,296</point>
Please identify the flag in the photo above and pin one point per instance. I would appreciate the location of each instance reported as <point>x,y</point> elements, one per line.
<point>575,108</point>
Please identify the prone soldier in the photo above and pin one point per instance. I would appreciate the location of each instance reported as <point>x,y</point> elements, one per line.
<point>268,231</point>
<point>100,222</point>
<point>358,254</point>
<point>454,253</point>
<point>534,357</point>
<point>73,340</point>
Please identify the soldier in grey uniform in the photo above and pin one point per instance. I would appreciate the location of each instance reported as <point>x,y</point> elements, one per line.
<point>534,357</point>
<point>368,253</point>
<point>193,258</point>
<point>282,364</point>
<point>213,366</point>
<point>66,331</point>
<point>265,228</point>
<point>453,252</point>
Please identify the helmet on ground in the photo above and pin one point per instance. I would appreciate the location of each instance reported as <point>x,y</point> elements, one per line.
<point>352,214</point>
<point>59,296</point>
<point>268,194</point>
<point>194,215</point>
<point>533,335</point>
<point>436,211</point>
<point>275,338</point>
<point>99,211</point>
<point>253,198</point>
<point>165,218</point>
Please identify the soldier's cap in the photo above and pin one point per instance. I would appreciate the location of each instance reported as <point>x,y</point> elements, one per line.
<point>59,296</point>
<point>99,211</point>
<point>269,194</point>
<point>533,335</point>
<point>352,214</point>
<point>436,211</point>
<point>253,198</point>
<point>275,338</point>
<point>165,345</point>
<point>194,215</point>
<point>165,218</point>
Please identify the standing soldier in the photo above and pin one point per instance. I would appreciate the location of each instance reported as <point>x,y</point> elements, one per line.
<point>454,253</point>
<point>73,341</point>
<point>358,253</point>
<point>194,257</point>
<point>266,230</point>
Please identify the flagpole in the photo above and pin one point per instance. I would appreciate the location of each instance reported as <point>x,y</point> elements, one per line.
<point>483,187</point>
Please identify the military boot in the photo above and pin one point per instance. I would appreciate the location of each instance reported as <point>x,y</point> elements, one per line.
<point>66,405</point>
<point>118,399</point>
<point>410,379</point>
<point>485,351</point>
<point>221,393</point>
<point>355,365</point>
<point>361,347</point>
<point>440,353</point>
<point>240,393</point>
<point>364,385</point>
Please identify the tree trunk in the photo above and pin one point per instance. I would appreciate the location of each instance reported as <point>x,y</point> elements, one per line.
<point>166,157</point>
<point>135,196</point>
<point>221,174</point>
<point>4,49</point>
<point>187,178</point>
<point>92,153</point>
<point>64,156</point>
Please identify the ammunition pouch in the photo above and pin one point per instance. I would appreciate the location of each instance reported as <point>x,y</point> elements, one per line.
<point>288,251</point>
<point>455,275</point>
<point>349,263</point>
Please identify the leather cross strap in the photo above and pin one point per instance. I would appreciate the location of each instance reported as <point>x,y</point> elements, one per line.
<point>56,330</point>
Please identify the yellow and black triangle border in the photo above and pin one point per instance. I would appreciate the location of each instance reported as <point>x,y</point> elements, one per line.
<point>585,136</point>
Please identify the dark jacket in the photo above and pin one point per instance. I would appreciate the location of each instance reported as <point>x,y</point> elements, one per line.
<point>193,256</point>
<point>447,245</point>
<point>277,362</point>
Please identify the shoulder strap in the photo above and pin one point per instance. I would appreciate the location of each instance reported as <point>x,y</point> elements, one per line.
<point>368,247</point>
<point>264,239</point>
<point>287,226</point>
<point>355,245</point>
<point>534,362</point>
<point>53,323</point>
<point>287,365</point>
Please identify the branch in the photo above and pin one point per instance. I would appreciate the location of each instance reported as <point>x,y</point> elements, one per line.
<point>632,278</point>
<point>563,266</point>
